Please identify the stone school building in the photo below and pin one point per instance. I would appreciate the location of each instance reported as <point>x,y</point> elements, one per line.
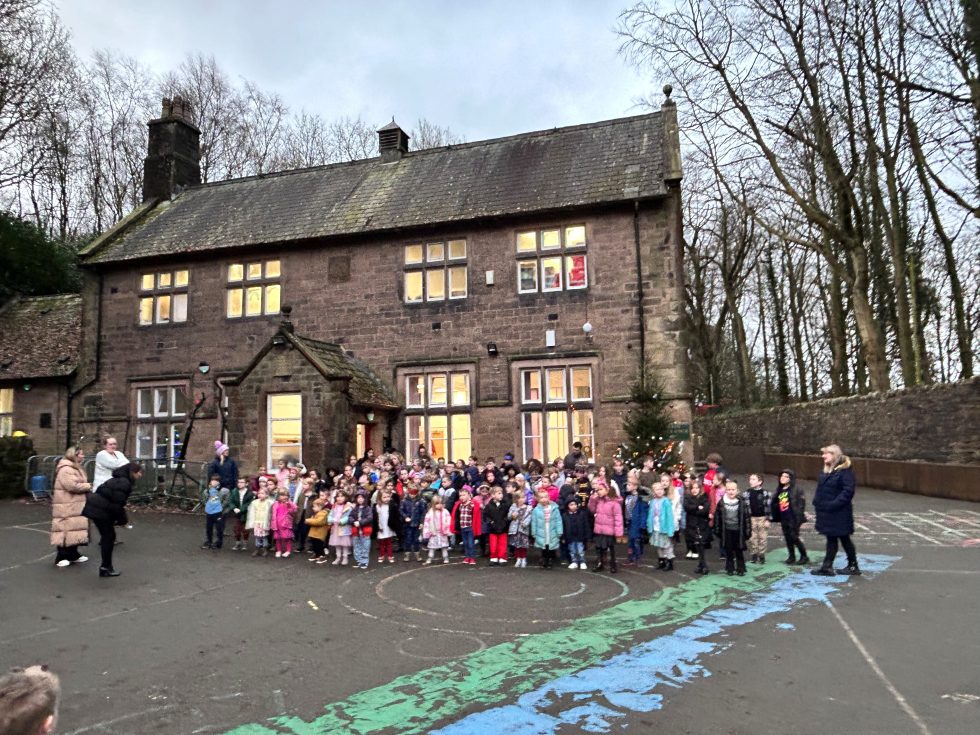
<point>476,298</point>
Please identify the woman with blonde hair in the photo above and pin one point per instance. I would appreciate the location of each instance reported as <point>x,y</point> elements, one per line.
<point>69,528</point>
<point>833,503</point>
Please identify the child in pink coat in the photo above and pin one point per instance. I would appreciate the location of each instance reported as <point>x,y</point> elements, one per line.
<point>283,516</point>
<point>606,508</point>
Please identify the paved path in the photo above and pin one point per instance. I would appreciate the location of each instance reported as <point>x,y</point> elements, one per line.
<point>188,641</point>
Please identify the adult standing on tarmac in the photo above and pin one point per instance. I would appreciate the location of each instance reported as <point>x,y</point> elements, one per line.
<point>69,528</point>
<point>106,508</point>
<point>107,460</point>
<point>833,503</point>
<point>224,466</point>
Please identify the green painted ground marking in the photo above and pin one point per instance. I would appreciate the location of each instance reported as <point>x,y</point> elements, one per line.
<point>414,703</point>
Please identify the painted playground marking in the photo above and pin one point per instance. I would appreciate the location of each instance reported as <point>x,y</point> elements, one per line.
<point>896,695</point>
<point>605,695</point>
<point>413,702</point>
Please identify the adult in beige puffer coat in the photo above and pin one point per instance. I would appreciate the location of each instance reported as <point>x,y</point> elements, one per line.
<point>69,528</point>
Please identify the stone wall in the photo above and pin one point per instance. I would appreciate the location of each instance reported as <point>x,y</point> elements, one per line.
<point>924,439</point>
<point>938,423</point>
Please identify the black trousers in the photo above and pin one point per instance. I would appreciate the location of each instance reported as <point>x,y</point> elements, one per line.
<point>67,552</point>
<point>107,539</point>
<point>317,545</point>
<point>845,541</point>
<point>791,534</point>
<point>734,557</point>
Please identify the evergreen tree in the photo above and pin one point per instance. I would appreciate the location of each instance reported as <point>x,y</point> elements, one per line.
<point>32,264</point>
<point>647,425</point>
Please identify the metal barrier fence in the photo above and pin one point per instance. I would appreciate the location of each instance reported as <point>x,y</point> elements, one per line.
<point>168,480</point>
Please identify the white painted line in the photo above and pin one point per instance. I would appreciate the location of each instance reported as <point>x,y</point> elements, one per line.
<point>24,563</point>
<point>28,528</point>
<point>902,702</point>
<point>106,723</point>
<point>865,528</point>
<point>946,529</point>
<point>881,516</point>
<point>956,518</point>
<point>937,571</point>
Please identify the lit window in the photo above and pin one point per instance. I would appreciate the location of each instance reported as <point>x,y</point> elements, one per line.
<point>285,428</point>
<point>434,272</point>
<point>438,414</point>
<point>6,411</point>
<point>262,296</point>
<point>543,267</point>
<point>550,426</point>
<point>163,297</point>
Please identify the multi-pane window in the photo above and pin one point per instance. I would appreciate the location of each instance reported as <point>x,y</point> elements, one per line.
<point>435,271</point>
<point>253,289</point>
<point>6,411</point>
<point>163,297</point>
<point>552,260</point>
<point>285,428</point>
<point>437,408</point>
<point>556,410</point>
<point>160,414</point>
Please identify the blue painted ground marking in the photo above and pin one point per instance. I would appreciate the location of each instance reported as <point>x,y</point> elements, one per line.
<point>606,694</point>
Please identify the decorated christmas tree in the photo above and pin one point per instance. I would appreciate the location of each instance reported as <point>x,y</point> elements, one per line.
<point>647,425</point>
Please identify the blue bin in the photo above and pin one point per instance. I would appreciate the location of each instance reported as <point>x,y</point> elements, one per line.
<point>39,486</point>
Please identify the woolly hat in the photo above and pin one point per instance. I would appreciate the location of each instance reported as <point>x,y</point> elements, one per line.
<point>220,448</point>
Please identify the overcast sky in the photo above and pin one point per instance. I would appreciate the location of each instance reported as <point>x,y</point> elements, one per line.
<point>484,69</point>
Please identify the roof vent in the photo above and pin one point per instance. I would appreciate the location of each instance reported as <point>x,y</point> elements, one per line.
<point>392,142</point>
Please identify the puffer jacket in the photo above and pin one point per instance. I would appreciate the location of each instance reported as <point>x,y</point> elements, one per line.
<point>608,514</point>
<point>833,498</point>
<point>495,518</point>
<point>108,503</point>
<point>789,503</point>
<point>68,526</point>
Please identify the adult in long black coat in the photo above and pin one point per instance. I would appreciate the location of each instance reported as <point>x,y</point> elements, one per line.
<point>106,508</point>
<point>833,503</point>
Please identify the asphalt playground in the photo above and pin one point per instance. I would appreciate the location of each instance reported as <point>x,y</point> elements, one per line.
<point>192,641</point>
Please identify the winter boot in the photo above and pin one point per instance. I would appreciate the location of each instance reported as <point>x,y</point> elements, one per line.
<point>791,559</point>
<point>804,560</point>
<point>824,571</point>
<point>661,564</point>
<point>418,556</point>
<point>762,558</point>
<point>669,566</point>
<point>601,564</point>
<point>851,570</point>
<point>755,558</point>
<point>408,555</point>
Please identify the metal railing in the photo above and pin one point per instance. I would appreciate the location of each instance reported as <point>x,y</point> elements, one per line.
<point>167,480</point>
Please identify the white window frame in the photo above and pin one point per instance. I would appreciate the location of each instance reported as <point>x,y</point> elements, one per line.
<point>264,282</point>
<point>563,252</point>
<point>545,405</point>
<point>269,420</point>
<point>151,421</point>
<point>428,264</point>
<point>451,409</point>
<point>7,417</point>
<point>164,286</point>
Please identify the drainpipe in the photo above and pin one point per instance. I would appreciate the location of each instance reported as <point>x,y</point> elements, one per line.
<point>639,285</point>
<point>98,360</point>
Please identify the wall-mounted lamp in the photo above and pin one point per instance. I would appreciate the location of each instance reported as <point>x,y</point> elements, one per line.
<point>492,349</point>
<point>278,340</point>
<point>203,368</point>
<point>370,417</point>
<point>27,386</point>
<point>587,328</point>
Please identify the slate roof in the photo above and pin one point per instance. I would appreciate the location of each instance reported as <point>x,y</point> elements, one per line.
<point>40,337</point>
<point>366,388</point>
<point>605,162</point>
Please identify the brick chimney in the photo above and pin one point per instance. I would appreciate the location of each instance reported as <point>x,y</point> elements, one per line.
<point>392,142</point>
<point>173,159</point>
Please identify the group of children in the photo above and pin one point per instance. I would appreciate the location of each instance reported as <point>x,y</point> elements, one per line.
<point>499,513</point>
